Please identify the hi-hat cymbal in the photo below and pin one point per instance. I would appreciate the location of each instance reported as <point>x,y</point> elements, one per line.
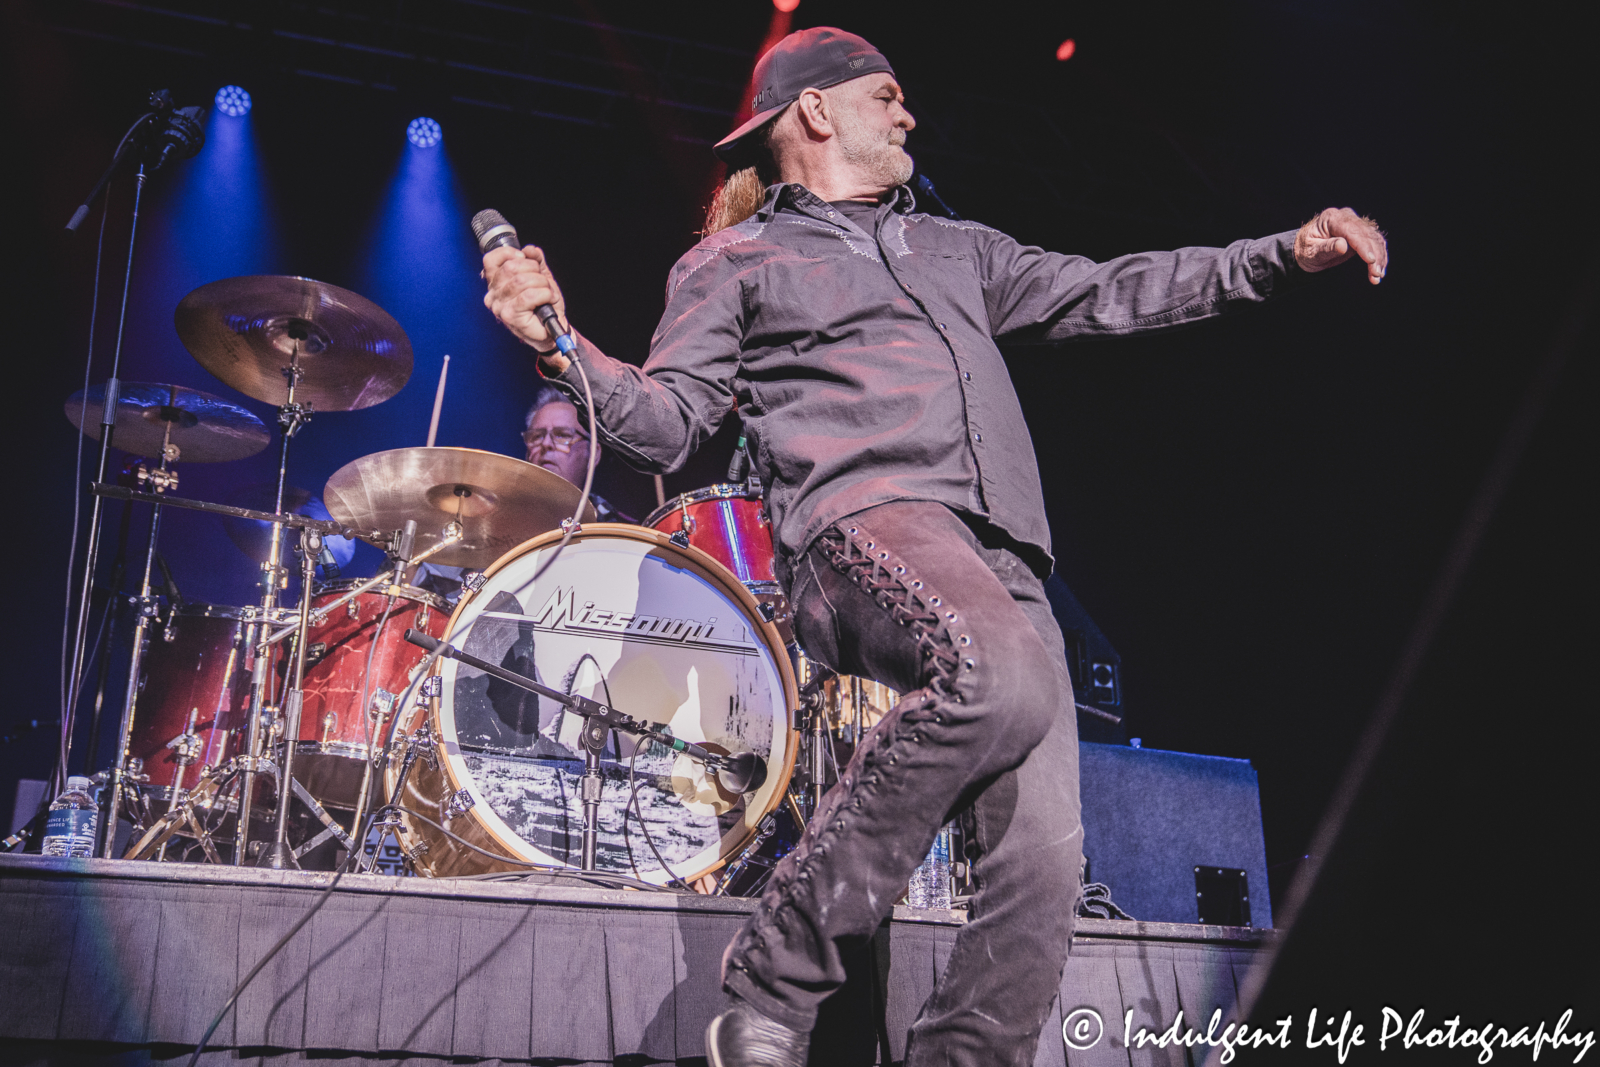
<point>500,501</point>
<point>351,352</point>
<point>205,428</point>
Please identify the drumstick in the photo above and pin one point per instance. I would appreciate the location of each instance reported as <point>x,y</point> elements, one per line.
<point>661,492</point>
<point>438,402</point>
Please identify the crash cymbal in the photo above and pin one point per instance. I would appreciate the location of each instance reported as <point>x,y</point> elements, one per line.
<point>205,428</point>
<point>254,537</point>
<point>352,354</point>
<point>501,502</point>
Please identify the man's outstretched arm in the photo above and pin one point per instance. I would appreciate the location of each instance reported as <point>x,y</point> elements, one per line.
<point>1035,296</point>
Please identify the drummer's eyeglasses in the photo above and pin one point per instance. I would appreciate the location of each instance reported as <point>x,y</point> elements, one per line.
<point>561,438</point>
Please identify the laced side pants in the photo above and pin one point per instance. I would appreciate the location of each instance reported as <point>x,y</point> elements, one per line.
<point>908,594</point>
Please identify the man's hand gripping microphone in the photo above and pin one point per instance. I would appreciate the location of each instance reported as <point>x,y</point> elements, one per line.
<point>493,231</point>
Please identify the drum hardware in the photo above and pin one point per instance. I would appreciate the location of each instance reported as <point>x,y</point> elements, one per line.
<point>461,802</point>
<point>277,854</point>
<point>764,831</point>
<point>793,800</point>
<point>813,701</point>
<point>738,773</point>
<point>185,810</point>
<point>450,535</point>
<point>331,828</point>
<point>327,527</point>
<point>146,607</point>
<point>408,748</point>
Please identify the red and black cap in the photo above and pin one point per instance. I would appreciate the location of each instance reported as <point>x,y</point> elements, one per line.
<point>806,59</point>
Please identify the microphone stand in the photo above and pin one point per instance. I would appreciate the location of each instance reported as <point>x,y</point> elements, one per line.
<point>738,773</point>
<point>108,418</point>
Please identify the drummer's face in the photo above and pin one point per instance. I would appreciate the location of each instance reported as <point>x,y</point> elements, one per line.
<point>558,419</point>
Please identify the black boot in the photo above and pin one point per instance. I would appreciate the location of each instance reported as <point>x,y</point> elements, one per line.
<point>740,1036</point>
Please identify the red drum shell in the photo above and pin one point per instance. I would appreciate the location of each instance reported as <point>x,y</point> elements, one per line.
<point>728,524</point>
<point>200,673</point>
<point>332,747</point>
<point>330,716</point>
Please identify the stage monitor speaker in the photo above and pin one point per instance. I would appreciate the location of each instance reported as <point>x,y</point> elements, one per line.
<point>1151,818</point>
<point>1095,667</point>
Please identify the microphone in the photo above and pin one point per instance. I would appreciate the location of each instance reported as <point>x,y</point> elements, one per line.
<point>739,468</point>
<point>493,231</point>
<point>181,136</point>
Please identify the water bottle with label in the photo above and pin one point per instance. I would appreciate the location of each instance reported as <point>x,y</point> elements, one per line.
<point>930,882</point>
<point>69,831</point>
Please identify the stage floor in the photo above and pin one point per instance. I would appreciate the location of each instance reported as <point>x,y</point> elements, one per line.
<point>103,960</point>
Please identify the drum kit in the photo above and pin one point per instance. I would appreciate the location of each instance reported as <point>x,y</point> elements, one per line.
<point>616,699</point>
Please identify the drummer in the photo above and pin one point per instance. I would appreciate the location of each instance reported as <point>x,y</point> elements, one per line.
<point>552,438</point>
<point>557,440</point>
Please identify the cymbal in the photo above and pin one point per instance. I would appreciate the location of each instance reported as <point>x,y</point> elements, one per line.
<point>500,501</point>
<point>254,537</point>
<point>206,428</point>
<point>351,352</point>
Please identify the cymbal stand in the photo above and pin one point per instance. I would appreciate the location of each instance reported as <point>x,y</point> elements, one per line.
<point>278,854</point>
<point>292,417</point>
<point>253,740</point>
<point>146,608</point>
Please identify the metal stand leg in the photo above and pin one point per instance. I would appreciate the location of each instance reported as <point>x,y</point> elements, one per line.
<point>146,608</point>
<point>253,739</point>
<point>278,854</point>
<point>390,824</point>
<point>819,760</point>
<point>589,786</point>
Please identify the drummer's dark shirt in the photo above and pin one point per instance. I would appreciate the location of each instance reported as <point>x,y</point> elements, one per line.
<point>864,359</point>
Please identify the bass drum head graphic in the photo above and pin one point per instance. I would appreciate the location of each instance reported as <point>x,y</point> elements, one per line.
<point>624,617</point>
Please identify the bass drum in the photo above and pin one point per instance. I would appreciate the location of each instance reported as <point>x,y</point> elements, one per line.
<point>656,630</point>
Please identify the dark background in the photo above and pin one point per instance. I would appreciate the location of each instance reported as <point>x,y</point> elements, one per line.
<point>1253,510</point>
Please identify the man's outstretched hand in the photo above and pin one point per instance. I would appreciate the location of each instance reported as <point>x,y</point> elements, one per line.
<point>1337,234</point>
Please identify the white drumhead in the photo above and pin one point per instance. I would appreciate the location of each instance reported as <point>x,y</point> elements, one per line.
<point>658,633</point>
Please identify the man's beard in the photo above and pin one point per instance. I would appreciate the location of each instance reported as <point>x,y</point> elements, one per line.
<point>881,162</point>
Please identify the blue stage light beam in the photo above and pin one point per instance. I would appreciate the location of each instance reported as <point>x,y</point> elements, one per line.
<point>421,264</point>
<point>203,219</point>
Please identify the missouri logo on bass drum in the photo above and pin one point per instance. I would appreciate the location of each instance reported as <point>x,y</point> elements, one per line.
<point>566,612</point>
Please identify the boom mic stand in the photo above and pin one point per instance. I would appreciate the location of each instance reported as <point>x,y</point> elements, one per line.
<point>171,132</point>
<point>738,773</point>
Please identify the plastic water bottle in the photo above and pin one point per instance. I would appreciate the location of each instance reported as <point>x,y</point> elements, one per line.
<point>930,882</point>
<point>69,831</point>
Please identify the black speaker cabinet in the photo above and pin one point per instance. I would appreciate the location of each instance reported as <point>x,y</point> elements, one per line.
<point>1151,818</point>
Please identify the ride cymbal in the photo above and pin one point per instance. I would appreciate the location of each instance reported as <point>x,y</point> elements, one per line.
<point>205,428</point>
<point>500,501</point>
<point>352,354</point>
